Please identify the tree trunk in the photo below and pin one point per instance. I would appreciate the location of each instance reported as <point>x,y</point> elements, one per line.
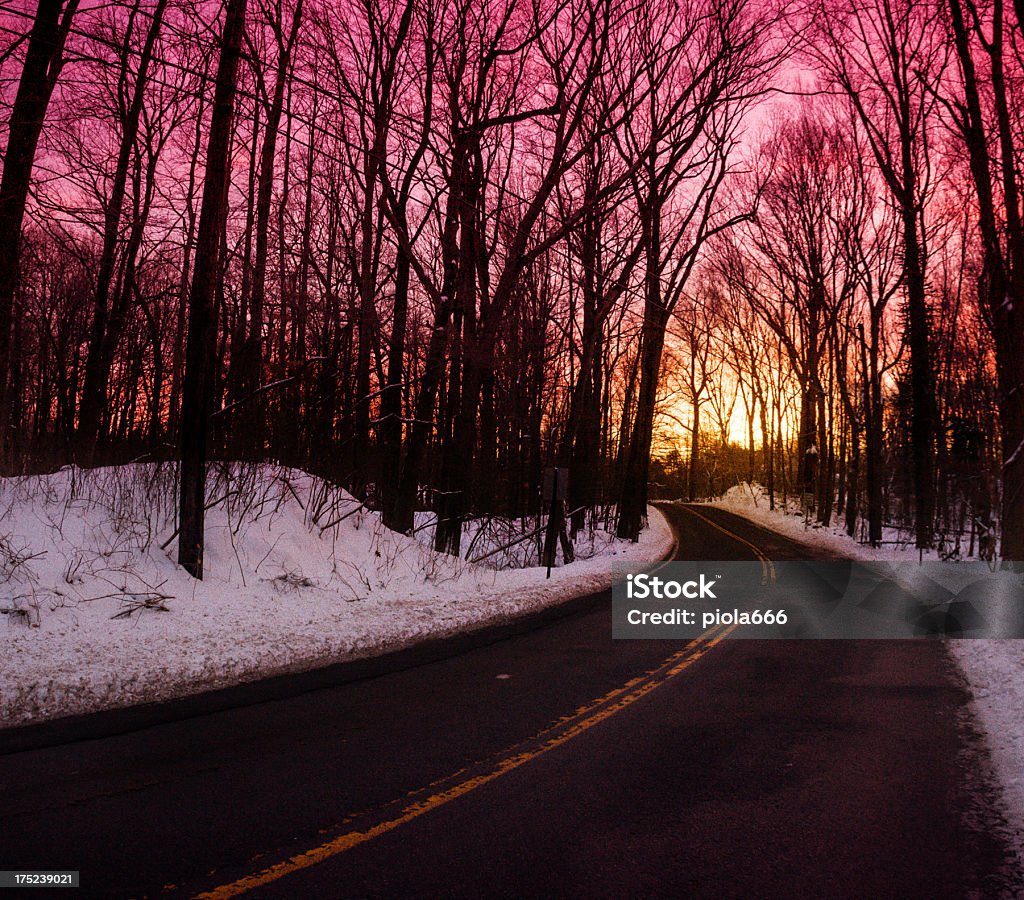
<point>458,451</point>
<point>633,499</point>
<point>197,387</point>
<point>691,489</point>
<point>922,426</point>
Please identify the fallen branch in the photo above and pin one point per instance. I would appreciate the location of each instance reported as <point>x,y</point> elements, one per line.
<point>140,602</point>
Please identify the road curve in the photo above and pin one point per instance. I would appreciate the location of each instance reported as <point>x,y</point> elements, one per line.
<point>551,763</point>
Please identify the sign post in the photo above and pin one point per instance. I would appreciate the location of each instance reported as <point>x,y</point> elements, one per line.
<point>556,484</point>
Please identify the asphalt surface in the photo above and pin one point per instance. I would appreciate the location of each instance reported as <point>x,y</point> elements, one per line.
<point>550,761</point>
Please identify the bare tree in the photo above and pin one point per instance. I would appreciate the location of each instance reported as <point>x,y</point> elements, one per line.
<point>702,71</point>
<point>200,357</point>
<point>105,330</point>
<point>883,55</point>
<point>797,280</point>
<point>43,62</point>
<point>992,139</point>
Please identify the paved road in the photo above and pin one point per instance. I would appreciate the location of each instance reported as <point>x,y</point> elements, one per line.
<point>550,763</point>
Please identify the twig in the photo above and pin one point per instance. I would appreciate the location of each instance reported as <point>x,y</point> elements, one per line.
<point>522,538</point>
<point>341,519</point>
<point>263,388</point>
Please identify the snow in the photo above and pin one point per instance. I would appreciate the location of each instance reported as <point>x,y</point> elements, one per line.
<point>296,575</point>
<point>994,669</point>
<point>995,672</point>
<point>751,502</point>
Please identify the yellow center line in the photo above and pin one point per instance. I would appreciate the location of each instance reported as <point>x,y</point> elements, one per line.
<point>767,566</point>
<point>585,718</point>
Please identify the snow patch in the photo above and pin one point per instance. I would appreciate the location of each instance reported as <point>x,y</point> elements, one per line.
<point>995,673</point>
<point>752,502</point>
<point>95,614</point>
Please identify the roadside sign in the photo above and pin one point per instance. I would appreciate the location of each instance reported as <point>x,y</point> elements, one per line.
<point>556,484</point>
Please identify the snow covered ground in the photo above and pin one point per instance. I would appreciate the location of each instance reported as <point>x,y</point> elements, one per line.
<point>751,501</point>
<point>95,614</point>
<point>994,669</point>
<point>995,672</point>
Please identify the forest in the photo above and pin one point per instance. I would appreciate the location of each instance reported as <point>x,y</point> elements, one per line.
<point>430,249</point>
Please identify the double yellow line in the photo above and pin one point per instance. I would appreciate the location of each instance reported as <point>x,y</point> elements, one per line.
<point>767,566</point>
<point>460,783</point>
<point>365,827</point>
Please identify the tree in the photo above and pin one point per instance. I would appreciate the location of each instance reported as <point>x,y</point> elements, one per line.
<point>106,330</point>
<point>882,54</point>
<point>797,280</point>
<point>701,71</point>
<point>252,352</point>
<point>993,143</point>
<point>43,62</point>
<point>200,356</point>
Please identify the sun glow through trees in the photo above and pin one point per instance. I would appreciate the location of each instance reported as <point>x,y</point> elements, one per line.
<point>462,242</point>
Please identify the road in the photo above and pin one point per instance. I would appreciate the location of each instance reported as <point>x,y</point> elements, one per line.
<point>550,763</point>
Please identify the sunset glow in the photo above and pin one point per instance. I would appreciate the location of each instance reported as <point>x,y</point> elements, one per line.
<point>449,245</point>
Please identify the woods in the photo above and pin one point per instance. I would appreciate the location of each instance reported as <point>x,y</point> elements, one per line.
<point>429,248</point>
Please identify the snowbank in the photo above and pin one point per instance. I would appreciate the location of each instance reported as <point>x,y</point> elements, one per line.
<point>751,502</point>
<point>297,575</point>
<point>995,673</point>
